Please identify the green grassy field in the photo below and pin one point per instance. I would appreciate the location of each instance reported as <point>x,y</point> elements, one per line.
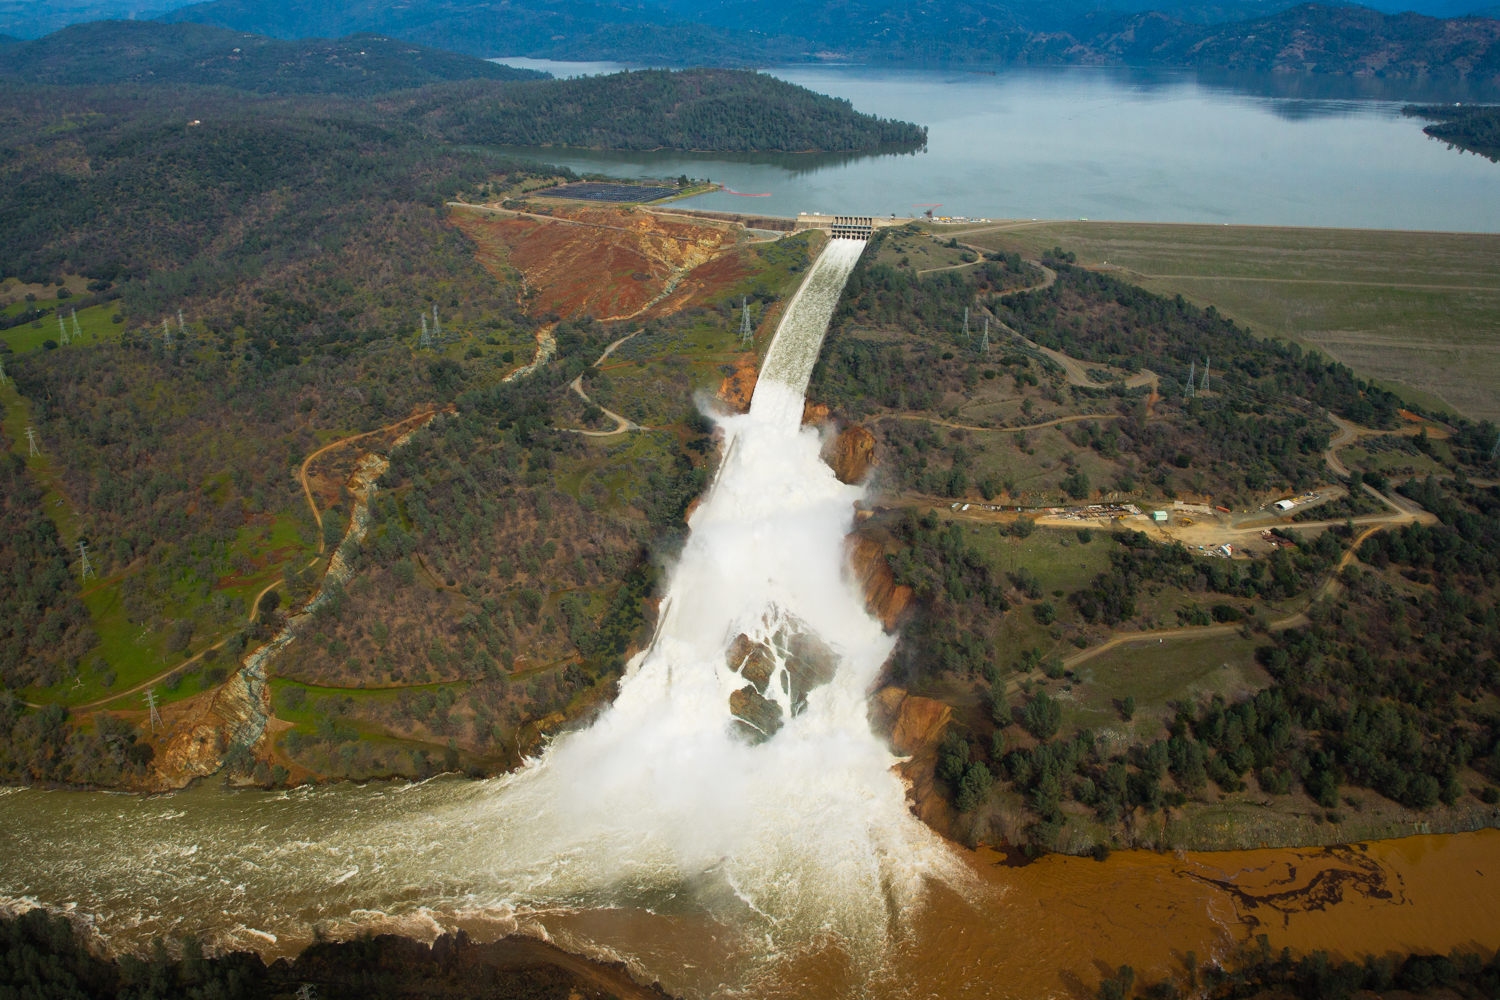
<point>1155,672</point>
<point>1057,557</point>
<point>1415,311</point>
<point>135,654</point>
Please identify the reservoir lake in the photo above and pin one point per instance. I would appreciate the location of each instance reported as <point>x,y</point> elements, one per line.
<point>1145,146</point>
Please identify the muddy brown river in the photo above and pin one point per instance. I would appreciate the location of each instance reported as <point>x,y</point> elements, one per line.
<point>262,870</point>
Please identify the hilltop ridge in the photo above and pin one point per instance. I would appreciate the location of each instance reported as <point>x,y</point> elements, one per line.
<point>1257,36</point>
<point>146,52</point>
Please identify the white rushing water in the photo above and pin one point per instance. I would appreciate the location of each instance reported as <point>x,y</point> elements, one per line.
<point>659,807</point>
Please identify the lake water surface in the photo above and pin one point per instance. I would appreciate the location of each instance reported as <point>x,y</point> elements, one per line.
<point>1106,144</point>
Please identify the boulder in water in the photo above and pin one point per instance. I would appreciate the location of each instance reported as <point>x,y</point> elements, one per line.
<point>756,718</point>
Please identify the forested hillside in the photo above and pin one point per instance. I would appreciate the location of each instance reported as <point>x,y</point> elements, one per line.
<point>1369,648</point>
<point>144,52</point>
<point>444,97</point>
<point>211,303</point>
<point>1475,128</point>
<point>1310,38</point>
<point>694,109</point>
<point>1258,36</point>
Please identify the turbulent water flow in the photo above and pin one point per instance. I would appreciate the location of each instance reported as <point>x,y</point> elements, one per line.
<point>662,807</point>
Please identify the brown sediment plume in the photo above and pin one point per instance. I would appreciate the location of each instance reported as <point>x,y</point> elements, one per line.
<point>853,453</point>
<point>885,598</point>
<point>738,388</point>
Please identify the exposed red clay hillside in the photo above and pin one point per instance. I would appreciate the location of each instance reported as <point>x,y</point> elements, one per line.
<point>612,263</point>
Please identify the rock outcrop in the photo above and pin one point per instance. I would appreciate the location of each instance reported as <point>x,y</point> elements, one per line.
<point>852,454</point>
<point>781,672</point>
<point>915,727</point>
<point>737,390</point>
<point>884,597</point>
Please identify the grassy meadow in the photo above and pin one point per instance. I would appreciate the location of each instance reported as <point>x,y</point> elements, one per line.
<point>1414,311</point>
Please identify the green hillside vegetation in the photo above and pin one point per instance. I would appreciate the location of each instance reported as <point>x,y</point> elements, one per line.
<point>1314,714</point>
<point>731,110</point>
<point>1475,128</point>
<point>145,52</point>
<point>236,294</point>
<point>1411,311</point>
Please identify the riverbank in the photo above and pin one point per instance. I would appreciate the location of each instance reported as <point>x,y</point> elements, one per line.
<point>1005,926</point>
<point>452,966</point>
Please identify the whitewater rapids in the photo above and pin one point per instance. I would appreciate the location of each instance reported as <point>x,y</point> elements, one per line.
<point>801,842</point>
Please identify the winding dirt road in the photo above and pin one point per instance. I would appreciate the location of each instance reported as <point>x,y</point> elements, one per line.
<point>255,603</point>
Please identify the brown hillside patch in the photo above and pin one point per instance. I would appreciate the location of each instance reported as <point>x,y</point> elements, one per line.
<point>603,262</point>
<point>706,282</point>
<point>737,389</point>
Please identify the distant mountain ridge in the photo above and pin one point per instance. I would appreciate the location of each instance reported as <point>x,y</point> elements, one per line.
<point>1309,37</point>
<point>111,52</point>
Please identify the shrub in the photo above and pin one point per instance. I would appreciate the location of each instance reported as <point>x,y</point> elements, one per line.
<point>1042,716</point>
<point>404,572</point>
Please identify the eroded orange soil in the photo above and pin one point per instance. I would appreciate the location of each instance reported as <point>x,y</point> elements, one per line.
<point>609,263</point>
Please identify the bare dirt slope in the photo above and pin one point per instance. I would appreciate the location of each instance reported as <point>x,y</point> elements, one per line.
<point>621,263</point>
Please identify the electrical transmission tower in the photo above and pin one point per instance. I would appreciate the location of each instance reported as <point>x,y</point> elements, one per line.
<point>77,330</point>
<point>166,333</point>
<point>437,328</point>
<point>62,330</point>
<point>1192,377</point>
<point>31,440</point>
<point>155,715</point>
<point>966,322</point>
<point>1206,364</point>
<point>87,568</point>
<point>1494,452</point>
<point>425,340</point>
<point>181,326</point>
<point>745,332</point>
<point>3,379</point>
<point>984,341</point>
